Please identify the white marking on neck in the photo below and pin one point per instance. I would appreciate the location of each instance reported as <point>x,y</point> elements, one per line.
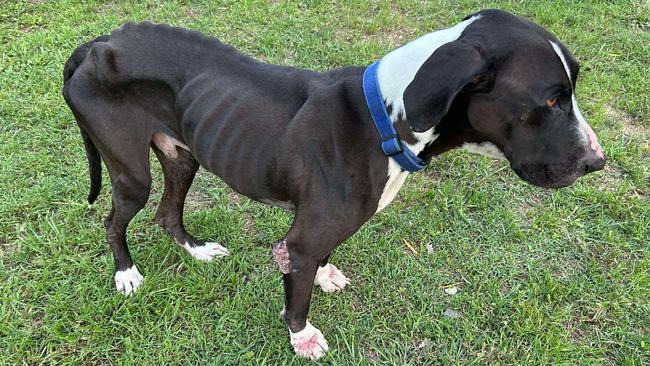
<point>585,132</point>
<point>396,71</point>
<point>485,148</point>
<point>397,177</point>
<point>398,68</point>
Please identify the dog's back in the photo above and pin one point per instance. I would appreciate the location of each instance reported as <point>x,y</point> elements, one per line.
<point>236,115</point>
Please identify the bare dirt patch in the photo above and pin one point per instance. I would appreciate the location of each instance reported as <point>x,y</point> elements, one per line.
<point>192,14</point>
<point>524,208</point>
<point>110,7</point>
<point>396,37</point>
<point>630,125</point>
<point>235,198</point>
<point>7,249</point>
<point>371,354</point>
<point>610,178</point>
<point>198,200</point>
<point>249,224</point>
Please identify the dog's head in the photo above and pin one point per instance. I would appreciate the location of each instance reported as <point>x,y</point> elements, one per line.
<point>500,81</point>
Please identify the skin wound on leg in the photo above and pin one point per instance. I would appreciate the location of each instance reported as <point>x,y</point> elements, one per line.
<point>281,256</point>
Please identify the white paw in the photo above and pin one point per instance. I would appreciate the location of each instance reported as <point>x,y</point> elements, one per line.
<point>330,279</point>
<point>128,281</point>
<point>206,252</point>
<point>309,342</point>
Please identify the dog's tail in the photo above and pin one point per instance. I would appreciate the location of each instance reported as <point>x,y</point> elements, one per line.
<point>94,167</point>
<point>92,154</point>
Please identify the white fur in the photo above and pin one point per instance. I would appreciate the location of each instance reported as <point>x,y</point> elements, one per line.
<point>485,148</point>
<point>330,278</point>
<point>309,342</point>
<point>206,252</point>
<point>397,177</point>
<point>129,280</point>
<point>584,130</point>
<point>396,71</point>
<point>398,68</point>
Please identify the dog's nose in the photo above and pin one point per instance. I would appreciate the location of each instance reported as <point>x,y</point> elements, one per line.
<point>594,164</point>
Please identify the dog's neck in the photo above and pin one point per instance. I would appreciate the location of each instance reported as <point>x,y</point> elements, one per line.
<point>398,69</point>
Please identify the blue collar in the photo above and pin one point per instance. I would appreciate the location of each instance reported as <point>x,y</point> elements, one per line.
<point>390,142</point>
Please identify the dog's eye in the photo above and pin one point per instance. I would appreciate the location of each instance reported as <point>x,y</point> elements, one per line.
<point>551,102</point>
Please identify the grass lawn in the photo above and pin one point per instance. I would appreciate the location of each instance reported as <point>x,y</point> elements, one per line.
<point>545,277</point>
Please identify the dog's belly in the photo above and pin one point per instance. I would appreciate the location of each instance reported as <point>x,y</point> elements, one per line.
<point>287,205</point>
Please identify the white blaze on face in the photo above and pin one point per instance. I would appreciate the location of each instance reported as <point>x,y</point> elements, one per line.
<point>587,134</point>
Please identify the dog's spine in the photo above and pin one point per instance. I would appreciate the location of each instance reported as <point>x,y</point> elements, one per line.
<point>92,154</point>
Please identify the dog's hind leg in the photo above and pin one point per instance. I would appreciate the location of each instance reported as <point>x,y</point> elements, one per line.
<point>179,168</point>
<point>131,183</point>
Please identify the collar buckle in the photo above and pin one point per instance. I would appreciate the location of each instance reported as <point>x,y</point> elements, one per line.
<point>391,145</point>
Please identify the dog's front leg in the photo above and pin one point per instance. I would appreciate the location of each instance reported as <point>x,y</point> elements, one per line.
<point>307,245</point>
<point>298,261</point>
<point>307,340</point>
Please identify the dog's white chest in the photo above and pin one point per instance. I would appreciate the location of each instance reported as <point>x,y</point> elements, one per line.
<point>396,176</point>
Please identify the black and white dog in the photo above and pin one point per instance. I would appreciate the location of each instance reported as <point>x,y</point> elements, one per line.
<point>494,83</point>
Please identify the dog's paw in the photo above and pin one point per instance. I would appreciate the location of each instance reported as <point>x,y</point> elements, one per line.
<point>206,252</point>
<point>330,278</point>
<point>309,342</point>
<point>128,280</point>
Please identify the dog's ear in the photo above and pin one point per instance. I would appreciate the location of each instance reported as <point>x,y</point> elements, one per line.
<point>453,68</point>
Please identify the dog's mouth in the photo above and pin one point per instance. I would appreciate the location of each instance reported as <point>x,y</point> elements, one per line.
<point>544,176</point>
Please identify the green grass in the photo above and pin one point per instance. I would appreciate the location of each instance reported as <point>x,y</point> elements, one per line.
<point>545,277</point>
